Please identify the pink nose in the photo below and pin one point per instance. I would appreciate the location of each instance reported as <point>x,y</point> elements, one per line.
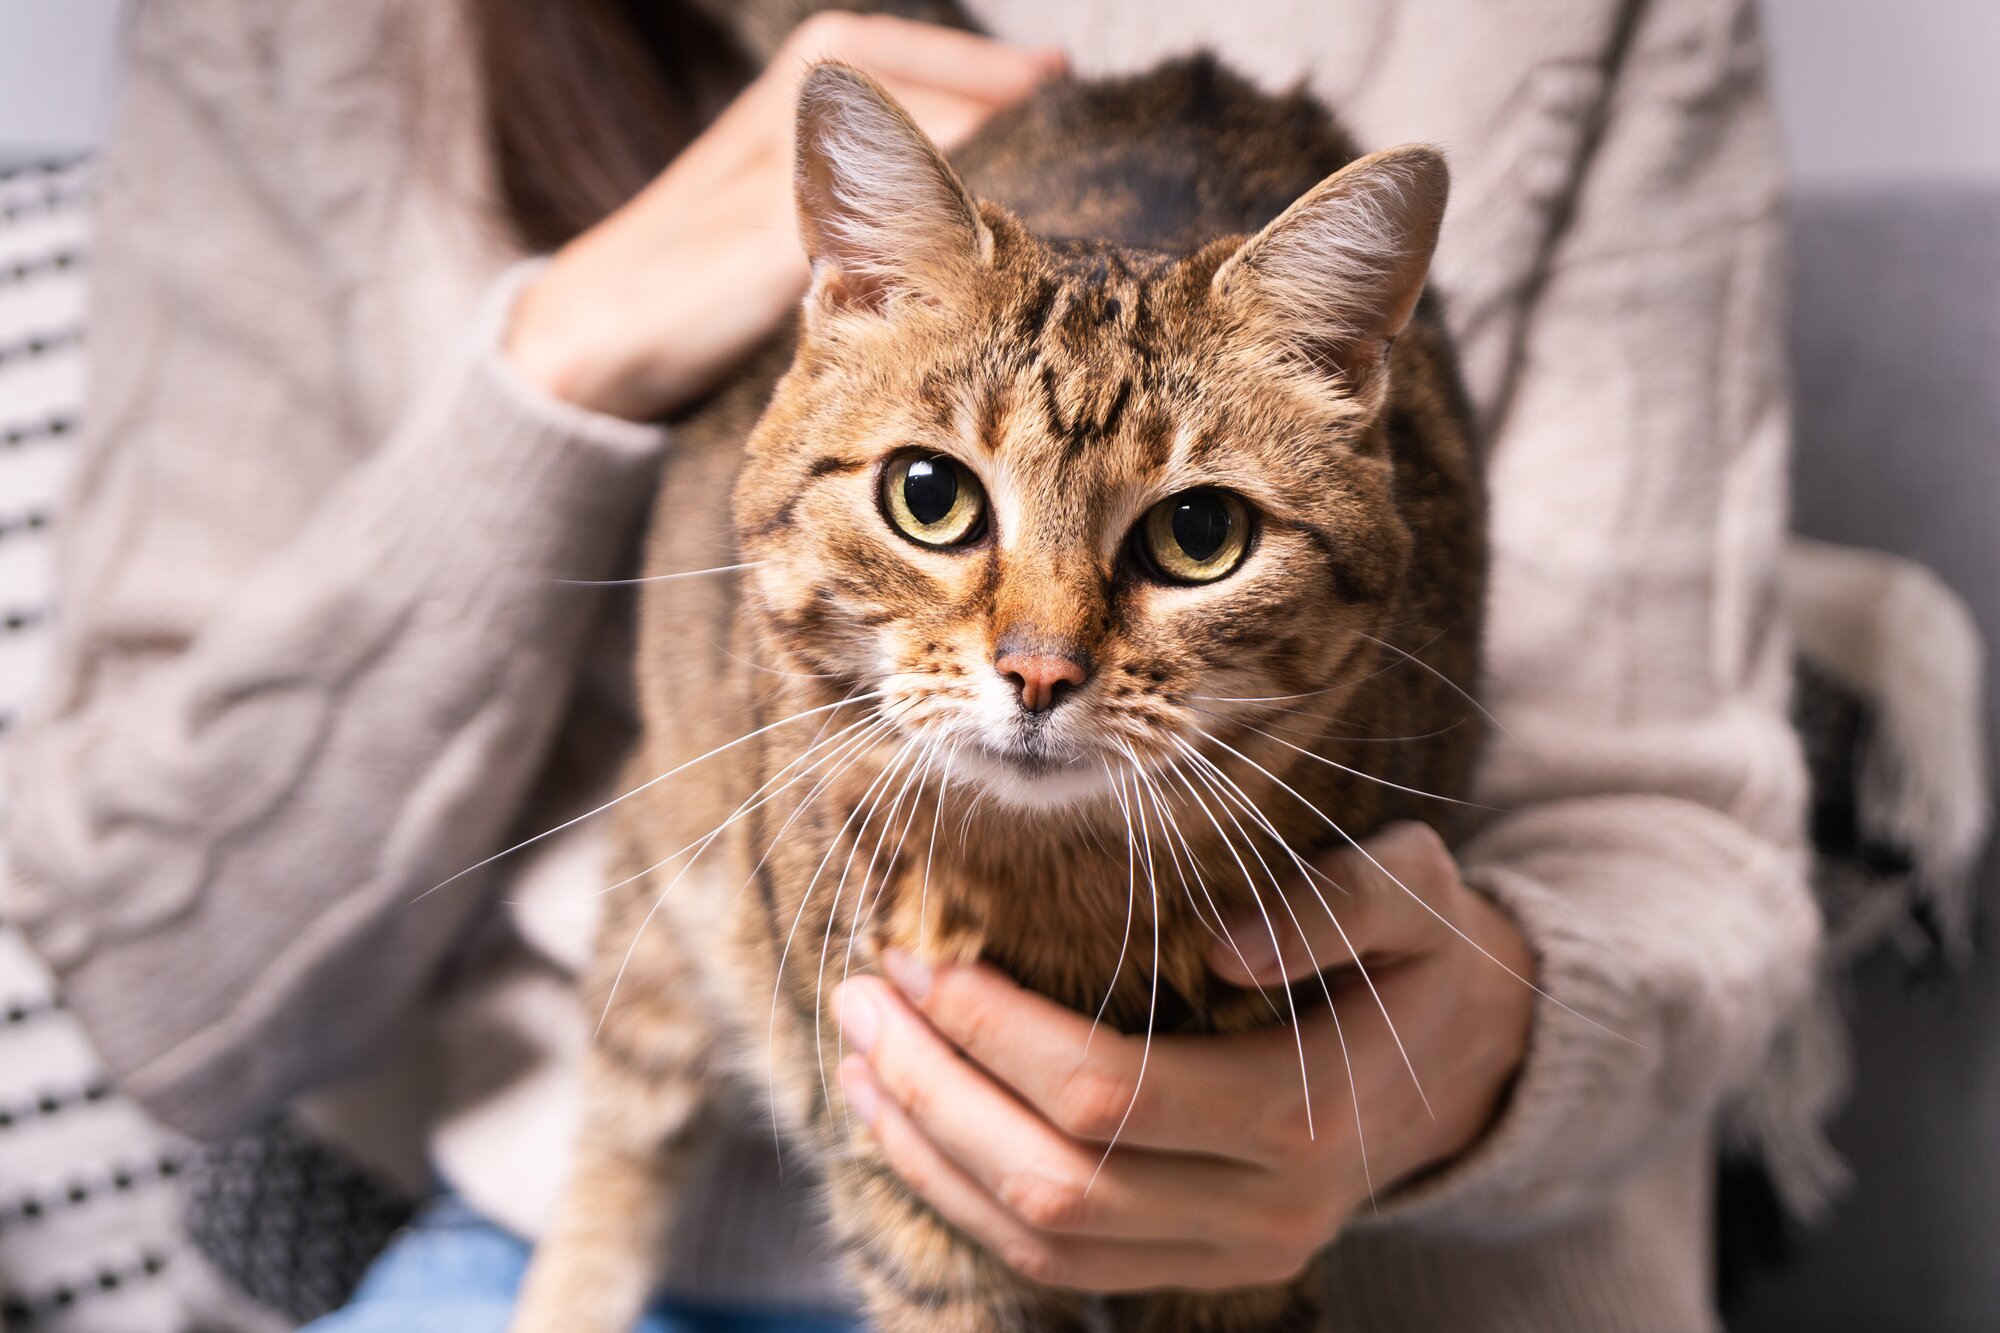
<point>1041,679</point>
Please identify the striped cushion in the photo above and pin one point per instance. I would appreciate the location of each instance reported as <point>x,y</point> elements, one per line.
<point>90,1195</point>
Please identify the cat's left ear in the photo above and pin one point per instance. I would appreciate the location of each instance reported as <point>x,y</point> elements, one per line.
<point>1337,275</point>
<point>882,214</point>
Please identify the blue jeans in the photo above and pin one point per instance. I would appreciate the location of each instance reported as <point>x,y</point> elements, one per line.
<point>454,1272</point>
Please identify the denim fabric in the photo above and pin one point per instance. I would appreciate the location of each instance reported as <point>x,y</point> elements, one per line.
<point>454,1272</point>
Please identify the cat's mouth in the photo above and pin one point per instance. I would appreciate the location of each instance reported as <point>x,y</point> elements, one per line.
<point>1031,772</point>
<point>1030,761</point>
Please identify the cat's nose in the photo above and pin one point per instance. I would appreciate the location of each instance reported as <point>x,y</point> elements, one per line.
<point>1041,679</point>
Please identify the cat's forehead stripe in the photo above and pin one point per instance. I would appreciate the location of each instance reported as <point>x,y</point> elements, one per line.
<point>1035,311</point>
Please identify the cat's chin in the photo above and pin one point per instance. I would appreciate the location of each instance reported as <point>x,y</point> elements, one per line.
<point>1030,781</point>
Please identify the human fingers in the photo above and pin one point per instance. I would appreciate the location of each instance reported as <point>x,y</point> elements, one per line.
<point>1185,1094</point>
<point>1047,1179</point>
<point>904,51</point>
<point>1394,893</point>
<point>1082,1263</point>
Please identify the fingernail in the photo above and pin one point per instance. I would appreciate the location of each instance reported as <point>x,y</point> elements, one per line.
<point>860,1021</point>
<point>1052,58</point>
<point>864,1100</point>
<point>911,975</point>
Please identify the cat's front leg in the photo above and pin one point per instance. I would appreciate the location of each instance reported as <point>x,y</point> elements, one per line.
<point>917,1274</point>
<point>646,1094</point>
<point>1293,1307</point>
<point>593,1270</point>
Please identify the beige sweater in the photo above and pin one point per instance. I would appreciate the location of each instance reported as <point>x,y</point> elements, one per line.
<point>316,654</point>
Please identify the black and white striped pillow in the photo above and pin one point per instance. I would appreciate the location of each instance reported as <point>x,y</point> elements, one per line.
<point>90,1196</point>
<point>108,1222</point>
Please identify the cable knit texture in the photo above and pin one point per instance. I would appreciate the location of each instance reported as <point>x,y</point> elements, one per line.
<point>317,652</point>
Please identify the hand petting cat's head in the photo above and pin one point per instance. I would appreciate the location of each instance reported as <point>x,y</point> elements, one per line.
<point>1058,501</point>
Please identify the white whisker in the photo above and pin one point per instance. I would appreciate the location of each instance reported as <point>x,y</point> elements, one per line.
<point>1145,1050</point>
<point>1131,902</point>
<point>649,783</point>
<point>864,903</point>
<point>659,578</point>
<point>699,846</point>
<point>1321,717</point>
<point>850,754</point>
<point>777,983</point>
<point>870,800</point>
<point>1370,777</point>
<point>1221,930</point>
<point>1277,949</point>
<point>777,671</point>
<point>1414,895</point>
<point>1264,698</point>
<point>1271,831</point>
<point>1314,694</point>
<point>937,815</point>
<point>758,799</point>
<point>1333,1010</point>
<point>1451,684</point>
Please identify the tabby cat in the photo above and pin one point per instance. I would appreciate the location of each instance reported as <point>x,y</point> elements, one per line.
<point>1079,532</point>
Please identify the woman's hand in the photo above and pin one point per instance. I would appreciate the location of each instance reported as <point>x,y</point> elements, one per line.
<point>997,1105</point>
<point>646,310</point>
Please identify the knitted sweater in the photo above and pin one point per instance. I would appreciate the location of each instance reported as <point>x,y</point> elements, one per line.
<point>319,652</point>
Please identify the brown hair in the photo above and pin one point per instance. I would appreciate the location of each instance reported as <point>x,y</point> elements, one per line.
<point>587,100</point>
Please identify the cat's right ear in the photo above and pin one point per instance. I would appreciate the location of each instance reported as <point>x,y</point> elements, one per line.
<point>882,214</point>
<point>1337,276</point>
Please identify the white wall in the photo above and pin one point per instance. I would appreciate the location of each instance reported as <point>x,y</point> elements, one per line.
<point>1871,90</point>
<point>56,68</point>
<point>1881,90</point>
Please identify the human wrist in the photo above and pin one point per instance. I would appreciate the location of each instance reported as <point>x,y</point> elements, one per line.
<point>1491,1014</point>
<point>641,336</point>
<point>1496,1015</point>
<point>561,347</point>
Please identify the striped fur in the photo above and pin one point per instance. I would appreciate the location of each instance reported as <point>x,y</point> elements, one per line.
<point>1094,336</point>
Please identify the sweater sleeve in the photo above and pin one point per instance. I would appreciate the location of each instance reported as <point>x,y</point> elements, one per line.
<point>1637,665</point>
<point>306,668</point>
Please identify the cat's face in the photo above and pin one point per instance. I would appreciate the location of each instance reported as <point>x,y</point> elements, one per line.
<point>1067,506</point>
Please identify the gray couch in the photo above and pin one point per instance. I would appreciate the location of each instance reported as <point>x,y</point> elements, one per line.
<point>1896,349</point>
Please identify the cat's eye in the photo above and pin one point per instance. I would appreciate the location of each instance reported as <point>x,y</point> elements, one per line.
<point>934,500</point>
<point>1195,537</point>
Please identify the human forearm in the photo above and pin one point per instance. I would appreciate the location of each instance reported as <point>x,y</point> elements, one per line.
<point>214,846</point>
<point>644,312</point>
<point>1671,943</point>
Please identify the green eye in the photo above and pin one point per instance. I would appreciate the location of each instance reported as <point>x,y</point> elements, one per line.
<point>1197,536</point>
<point>933,500</point>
